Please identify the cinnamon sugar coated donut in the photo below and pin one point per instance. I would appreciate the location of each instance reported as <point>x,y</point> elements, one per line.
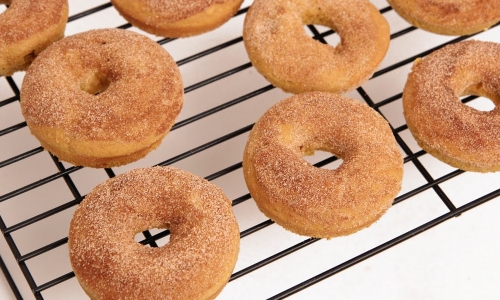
<point>280,49</point>
<point>318,202</point>
<point>449,17</point>
<point>197,261</point>
<point>181,18</point>
<point>26,28</point>
<point>442,125</point>
<point>102,98</point>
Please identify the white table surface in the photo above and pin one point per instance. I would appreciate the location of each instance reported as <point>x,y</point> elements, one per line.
<point>457,259</point>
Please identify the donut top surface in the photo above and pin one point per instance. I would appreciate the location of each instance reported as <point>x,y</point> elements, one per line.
<point>201,252</point>
<point>24,18</point>
<point>138,85</point>
<point>321,121</point>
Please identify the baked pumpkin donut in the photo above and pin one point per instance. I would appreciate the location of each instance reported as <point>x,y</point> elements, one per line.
<point>280,49</point>
<point>197,261</point>
<point>96,99</point>
<point>181,18</point>
<point>318,202</point>
<point>449,17</point>
<point>442,125</point>
<point>26,28</point>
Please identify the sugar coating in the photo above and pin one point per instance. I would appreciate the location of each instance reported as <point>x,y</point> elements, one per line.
<point>25,18</point>
<point>319,202</point>
<point>136,110</point>
<point>450,17</point>
<point>196,262</point>
<point>455,133</point>
<point>26,28</point>
<point>280,49</point>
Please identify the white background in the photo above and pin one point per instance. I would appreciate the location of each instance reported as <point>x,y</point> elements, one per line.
<point>457,259</point>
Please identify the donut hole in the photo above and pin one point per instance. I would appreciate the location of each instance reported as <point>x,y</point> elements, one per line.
<point>319,157</point>
<point>143,236</point>
<point>95,84</point>
<point>316,21</point>
<point>316,30</point>
<point>479,98</point>
<point>478,103</point>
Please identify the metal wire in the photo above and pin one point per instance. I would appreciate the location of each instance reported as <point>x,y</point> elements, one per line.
<point>150,239</point>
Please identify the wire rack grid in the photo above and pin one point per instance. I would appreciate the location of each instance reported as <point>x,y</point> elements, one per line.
<point>224,96</point>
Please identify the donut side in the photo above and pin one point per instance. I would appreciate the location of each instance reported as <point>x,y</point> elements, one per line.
<point>26,28</point>
<point>319,202</point>
<point>442,125</point>
<point>175,19</point>
<point>104,157</point>
<point>447,17</point>
<point>95,99</point>
<point>197,261</point>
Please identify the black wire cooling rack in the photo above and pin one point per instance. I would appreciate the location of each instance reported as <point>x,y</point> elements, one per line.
<point>224,97</point>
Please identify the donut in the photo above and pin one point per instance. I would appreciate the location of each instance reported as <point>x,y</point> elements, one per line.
<point>451,131</point>
<point>197,261</point>
<point>102,98</point>
<point>279,48</point>
<point>26,28</point>
<point>449,17</point>
<point>181,18</point>
<point>319,202</point>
